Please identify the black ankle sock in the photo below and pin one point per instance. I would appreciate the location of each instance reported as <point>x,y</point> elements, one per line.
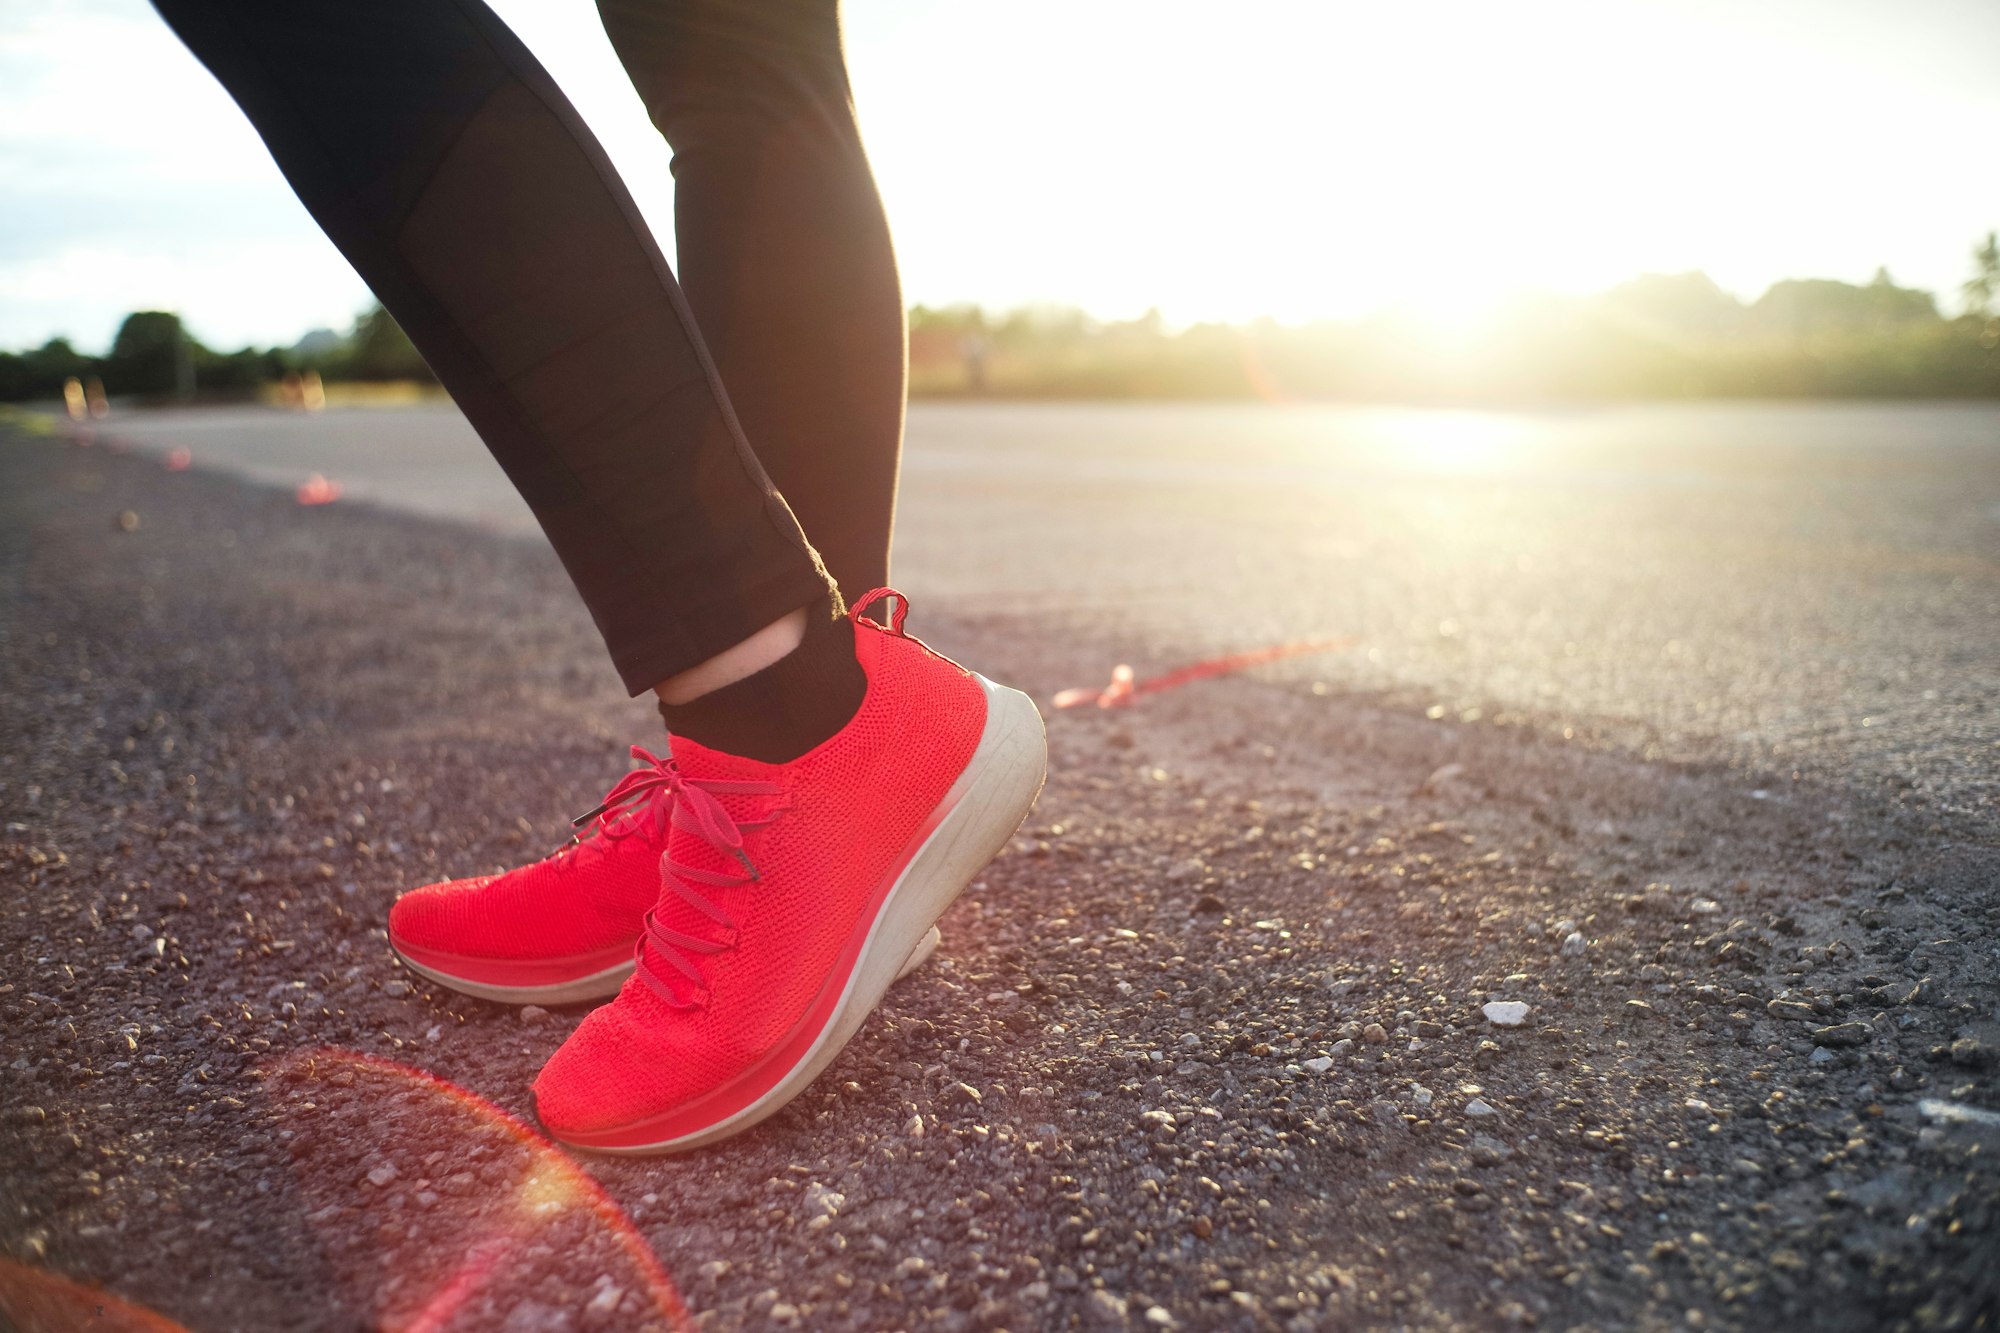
<point>787,708</point>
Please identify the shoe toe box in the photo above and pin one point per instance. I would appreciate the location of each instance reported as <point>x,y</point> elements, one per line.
<point>445,917</point>
<point>634,1062</point>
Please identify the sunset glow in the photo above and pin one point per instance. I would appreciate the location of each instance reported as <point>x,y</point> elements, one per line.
<point>1301,160</point>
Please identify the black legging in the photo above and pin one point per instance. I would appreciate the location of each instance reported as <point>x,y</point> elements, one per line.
<point>457,179</point>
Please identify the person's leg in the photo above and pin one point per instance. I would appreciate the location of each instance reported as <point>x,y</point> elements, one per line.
<point>449,169</point>
<point>783,250</point>
<point>791,889</point>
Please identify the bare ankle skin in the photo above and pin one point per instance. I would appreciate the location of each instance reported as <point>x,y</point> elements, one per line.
<point>730,665</point>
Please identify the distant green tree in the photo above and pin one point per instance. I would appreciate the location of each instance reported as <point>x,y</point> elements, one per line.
<point>152,356</point>
<point>380,350</point>
<point>1687,304</point>
<point>315,350</point>
<point>40,373</point>
<point>1983,287</point>
<point>1807,306</point>
<point>236,373</point>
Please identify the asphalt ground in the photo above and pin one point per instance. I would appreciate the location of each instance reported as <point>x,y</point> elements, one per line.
<point>1208,1041</point>
<point>1785,586</point>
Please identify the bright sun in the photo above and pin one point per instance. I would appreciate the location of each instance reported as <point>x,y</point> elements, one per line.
<point>1298,158</point>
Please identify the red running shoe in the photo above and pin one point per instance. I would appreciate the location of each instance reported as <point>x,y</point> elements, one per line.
<point>561,930</point>
<point>790,894</point>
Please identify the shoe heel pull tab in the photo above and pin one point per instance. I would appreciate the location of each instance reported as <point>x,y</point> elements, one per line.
<point>899,606</point>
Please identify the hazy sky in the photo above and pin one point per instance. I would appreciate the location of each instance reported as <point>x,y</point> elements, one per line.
<point>1217,160</point>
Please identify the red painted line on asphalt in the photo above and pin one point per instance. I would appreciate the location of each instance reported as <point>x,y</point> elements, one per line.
<point>1123,690</point>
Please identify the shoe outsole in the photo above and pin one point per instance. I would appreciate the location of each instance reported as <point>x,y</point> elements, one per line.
<point>594,986</point>
<point>983,809</point>
<point>598,985</point>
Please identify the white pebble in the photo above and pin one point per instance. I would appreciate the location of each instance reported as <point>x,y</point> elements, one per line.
<point>1319,1064</point>
<point>1506,1013</point>
<point>1574,945</point>
<point>1108,1308</point>
<point>1477,1107</point>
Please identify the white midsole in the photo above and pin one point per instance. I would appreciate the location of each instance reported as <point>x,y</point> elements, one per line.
<point>598,985</point>
<point>988,802</point>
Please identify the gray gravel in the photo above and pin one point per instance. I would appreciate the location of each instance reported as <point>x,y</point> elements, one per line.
<point>1205,1049</point>
<point>1784,586</point>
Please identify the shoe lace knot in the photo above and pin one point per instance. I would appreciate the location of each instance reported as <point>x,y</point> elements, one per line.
<point>698,809</point>
<point>643,794</point>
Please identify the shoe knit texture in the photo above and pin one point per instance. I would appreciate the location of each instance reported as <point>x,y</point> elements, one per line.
<point>585,899</point>
<point>742,947</point>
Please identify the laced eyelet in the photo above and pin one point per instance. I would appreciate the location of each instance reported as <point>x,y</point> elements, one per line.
<point>667,958</point>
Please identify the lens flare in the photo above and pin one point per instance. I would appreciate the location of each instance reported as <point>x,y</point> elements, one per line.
<point>38,1302</point>
<point>437,1210</point>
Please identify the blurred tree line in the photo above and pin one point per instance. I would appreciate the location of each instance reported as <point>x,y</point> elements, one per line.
<point>154,358</point>
<point>1659,336</point>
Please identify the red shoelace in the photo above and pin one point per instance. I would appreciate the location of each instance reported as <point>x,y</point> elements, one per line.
<point>697,809</point>
<point>658,788</point>
<point>625,809</point>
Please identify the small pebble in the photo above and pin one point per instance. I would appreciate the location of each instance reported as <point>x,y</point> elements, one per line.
<point>1108,1308</point>
<point>1972,1053</point>
<point>1574,945</point>
<point>1477,1107</point>
<point>1505,1013</point>
<point>533,1013</point>
<point>1319,1065</point>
